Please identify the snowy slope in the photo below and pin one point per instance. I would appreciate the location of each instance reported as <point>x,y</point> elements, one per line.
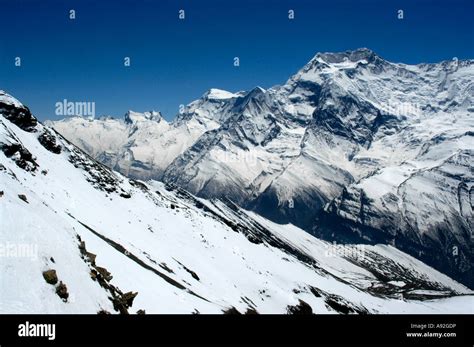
<point>109,237</point>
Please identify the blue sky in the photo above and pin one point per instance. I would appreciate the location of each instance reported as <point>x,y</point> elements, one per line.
<point>174,62</point>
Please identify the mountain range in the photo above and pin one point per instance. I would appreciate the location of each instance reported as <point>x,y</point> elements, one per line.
<point>352,148</point>
<point>78,237</point>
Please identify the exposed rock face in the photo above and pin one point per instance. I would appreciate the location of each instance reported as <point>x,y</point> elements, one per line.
<point>301,308</point>
<point>428,213</point>
<point>49,142</point>
<point>17,113</point>
<point>20,155</point>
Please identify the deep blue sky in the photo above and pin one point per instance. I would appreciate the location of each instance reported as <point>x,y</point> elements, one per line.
<point>175,62</point>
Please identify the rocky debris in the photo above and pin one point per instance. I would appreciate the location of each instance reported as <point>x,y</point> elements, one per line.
<point>124,301</point>
<point>20,116</point>
<point>44,172</point>
<point>341,305</point>
<point>137,184</point>
<point>125,195</point>
<point>100,176</point>
<point>231,310</point>
<point>1,193</point>
<point>141,312</point>
<point>90,257</point>
<point>50,276</point>
<point>251,310</point>
<point>301,308</point>
<point>62,292</point>
<point>82,245</point>
<point>128,298</point>
<point>103,312</point>
<point>87,256</point>
<point>93,275</point>
<point>121,301</point>
<point>23,197</point>
<point>20,155</point>
<point>315,292</point>
<point>104,273</point>
<point>338,306</point>
<point>48,141</point>
<point>140,262</point>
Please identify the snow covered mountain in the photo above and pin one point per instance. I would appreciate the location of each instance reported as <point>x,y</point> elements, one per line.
<point>351,148</point>
<point>78,237</point>
<point>143,145</point>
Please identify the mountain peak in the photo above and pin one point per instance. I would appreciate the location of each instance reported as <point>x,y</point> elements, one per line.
<point>7,99</point>
<point>257,90</point>
<point>254,93</point>
<point>219,94</point>
<point>335,61</point>
<point>134,117</point>
<point>354,56</point>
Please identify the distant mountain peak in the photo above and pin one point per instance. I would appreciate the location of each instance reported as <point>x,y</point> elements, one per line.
<point>256,91</point>
<point>134,117</point>
<point>360,54</point>
<point>219,94</point>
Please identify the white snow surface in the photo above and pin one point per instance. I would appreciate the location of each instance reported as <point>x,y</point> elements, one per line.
<point>199,246</point>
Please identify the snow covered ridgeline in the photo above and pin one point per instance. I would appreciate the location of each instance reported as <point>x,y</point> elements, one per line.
<point>106,243</point>
<point>388,146</point>
<point>142,145</point>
